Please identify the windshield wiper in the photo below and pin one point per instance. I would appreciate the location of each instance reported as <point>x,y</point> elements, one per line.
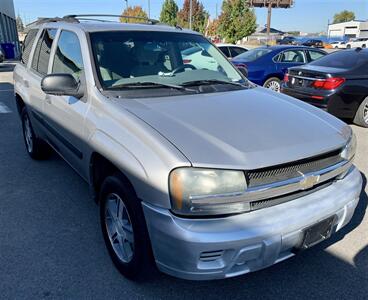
<point>211,81</point>
<point>148,84</point>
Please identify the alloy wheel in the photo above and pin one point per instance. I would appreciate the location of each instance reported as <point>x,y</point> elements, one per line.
<point>274,86</point>
<point>365,113</point>
<point>119,228</point>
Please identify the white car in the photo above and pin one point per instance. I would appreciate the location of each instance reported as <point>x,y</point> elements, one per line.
<point>338,45</point>
<point>361,42</point>
<point>199,58</point>
<point>231,50</point>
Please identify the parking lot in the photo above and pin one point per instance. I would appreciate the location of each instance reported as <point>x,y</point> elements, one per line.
<point>51,245</point>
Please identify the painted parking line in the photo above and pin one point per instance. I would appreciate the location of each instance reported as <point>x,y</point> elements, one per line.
<point>4,109</point>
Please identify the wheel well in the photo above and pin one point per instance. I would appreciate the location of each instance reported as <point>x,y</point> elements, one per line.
<point>20,103</point>
<point>100,168</point>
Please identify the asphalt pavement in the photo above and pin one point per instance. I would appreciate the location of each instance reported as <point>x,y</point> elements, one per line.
<point>51,245</point>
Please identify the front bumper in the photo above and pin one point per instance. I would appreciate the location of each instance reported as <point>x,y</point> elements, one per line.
<point>203,249</point>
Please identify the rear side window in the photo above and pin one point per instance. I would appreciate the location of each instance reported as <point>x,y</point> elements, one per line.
<point>235,51</point>
<point>42,52</point>
<point>314,55</point>
<point>68,55</point>
<point>27,47</point>
<point>225,50</point>
<point>292,56</point>
<point>342,59</point>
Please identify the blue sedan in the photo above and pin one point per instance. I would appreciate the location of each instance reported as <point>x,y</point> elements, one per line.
<point>266,66</point>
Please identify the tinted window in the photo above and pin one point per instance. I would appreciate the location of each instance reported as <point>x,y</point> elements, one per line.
<point>235,51</point>
<point>314,55</point>
<point>292,56</point>
<point>342,59</point>
<point>225,50</point>
<point>41,55</point>
<point>28,43</point>
<point>68,55</point>
<point>254,54</point>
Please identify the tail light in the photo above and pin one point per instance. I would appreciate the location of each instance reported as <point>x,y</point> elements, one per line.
<point>329,83</point>
<point>286,77</point>
<point>187,61</point>
<point>241,65</point>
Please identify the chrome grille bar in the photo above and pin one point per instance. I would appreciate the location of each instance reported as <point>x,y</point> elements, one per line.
<point>280,188</point>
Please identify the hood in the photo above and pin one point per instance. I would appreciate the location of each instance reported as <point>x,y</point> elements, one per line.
<point>245,129</point>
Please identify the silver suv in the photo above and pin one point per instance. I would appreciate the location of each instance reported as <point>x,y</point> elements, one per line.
<point>196,170</point>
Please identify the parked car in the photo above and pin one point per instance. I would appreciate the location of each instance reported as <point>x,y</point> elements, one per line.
<point>231,50</point>
<point>338,45</point>
<point>200,56</point>
<point>288,40</point>
<point>196,171</point>
<point>313,43</point>
<point>267,66</point>
<point>361,42</point>
<point>2,56</point>
<point>337,83</point>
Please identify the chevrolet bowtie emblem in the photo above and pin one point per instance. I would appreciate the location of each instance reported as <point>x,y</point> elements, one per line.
<point>309,181</point>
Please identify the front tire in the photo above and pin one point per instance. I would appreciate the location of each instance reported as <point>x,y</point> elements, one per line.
<point>273,84</point>
<point>124,228</point>
<point>36,148</point>
<point>361,116</point>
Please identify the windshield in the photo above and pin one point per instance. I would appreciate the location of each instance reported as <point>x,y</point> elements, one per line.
<point>134,59</point>
<point>253,54</point>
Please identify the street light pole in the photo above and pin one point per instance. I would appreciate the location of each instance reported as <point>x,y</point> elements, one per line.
<point>190,14</point>
<point>149,9</point>
<point>127,5</point>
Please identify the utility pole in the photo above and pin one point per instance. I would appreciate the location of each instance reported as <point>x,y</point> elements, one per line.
<point>216,9</point>
<point>269,19</point>
<point>149,9</point>
<point>127,5</point>
<point>190,14</point>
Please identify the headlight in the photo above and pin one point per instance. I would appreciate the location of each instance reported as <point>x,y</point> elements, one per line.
<point>197,191</point>
<point>348,152</point>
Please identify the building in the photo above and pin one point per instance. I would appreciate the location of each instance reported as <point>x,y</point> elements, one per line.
<point>348,30</point>
<point>8,27</point>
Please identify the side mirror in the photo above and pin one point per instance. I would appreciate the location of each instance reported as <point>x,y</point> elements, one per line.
<point>62,85</point>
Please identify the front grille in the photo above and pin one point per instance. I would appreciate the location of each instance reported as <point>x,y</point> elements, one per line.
<point>292,170</point>
<point>255,205</point>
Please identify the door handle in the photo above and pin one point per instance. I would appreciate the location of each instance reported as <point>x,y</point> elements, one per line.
<point>48,99</point>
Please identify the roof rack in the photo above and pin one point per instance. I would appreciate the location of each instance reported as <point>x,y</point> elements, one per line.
<point>90,17</point>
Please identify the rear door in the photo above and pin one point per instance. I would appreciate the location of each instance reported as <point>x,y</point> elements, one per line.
<point>66,114</point>
<point>38,69</point>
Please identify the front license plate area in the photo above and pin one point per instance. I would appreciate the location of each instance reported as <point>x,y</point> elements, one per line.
<point>318,232</point>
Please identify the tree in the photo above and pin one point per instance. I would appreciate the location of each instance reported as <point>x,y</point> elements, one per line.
<point>169,12</point>
<point>199,16</point>
<point>19,22</point>
<point>237,20</point>
<point>133,11</point>
<point>213,28</point>
<point>344,16</point>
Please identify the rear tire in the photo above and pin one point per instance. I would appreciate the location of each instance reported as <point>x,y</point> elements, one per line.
<point>361,116</point>
<point>36,148</point>
<point>364,46</point>
<point>348,46</point>
<point>273,84</point>
<point>124,228</point>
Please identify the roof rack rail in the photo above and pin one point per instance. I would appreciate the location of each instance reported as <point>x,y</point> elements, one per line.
<point>50,20</point>
<point>91,17</point>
